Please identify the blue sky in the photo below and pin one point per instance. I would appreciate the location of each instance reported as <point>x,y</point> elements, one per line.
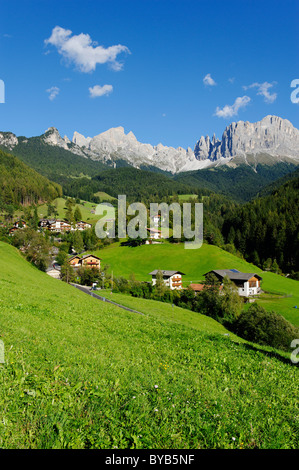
<point>168,70</point>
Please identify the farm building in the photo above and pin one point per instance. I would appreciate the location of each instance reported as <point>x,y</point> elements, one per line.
<point>246,283</point>
<point>196,287</point>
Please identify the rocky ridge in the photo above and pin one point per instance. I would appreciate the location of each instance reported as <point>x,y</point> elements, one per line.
<point>272,136</point>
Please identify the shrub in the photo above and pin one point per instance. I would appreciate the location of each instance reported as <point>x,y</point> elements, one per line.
<point>265,328</point>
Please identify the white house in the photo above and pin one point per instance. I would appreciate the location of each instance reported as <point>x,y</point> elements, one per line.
<point>81,226</point>
<point>172,279</point>
<point>246,283</point>
<point>156,219</point>
<point>154,233</point>
<point>59,226</point>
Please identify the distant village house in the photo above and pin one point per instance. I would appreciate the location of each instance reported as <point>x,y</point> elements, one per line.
<point>154,233</point>
<point>58,225</point>
<point>19,224</point>
<point>90,261</point>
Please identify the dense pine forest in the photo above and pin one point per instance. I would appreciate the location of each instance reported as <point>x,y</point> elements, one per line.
<point>51,161</point>
<point>241,183</point>
<point>137,185</point>
<point>21,185</point>
<point>265,230</point>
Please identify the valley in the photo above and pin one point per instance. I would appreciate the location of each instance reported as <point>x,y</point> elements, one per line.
<point>83,373</point>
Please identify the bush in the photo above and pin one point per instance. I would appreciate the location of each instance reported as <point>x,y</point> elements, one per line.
<point>265,328</point>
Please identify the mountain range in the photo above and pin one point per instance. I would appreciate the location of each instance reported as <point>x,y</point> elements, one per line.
<point>269,141</point>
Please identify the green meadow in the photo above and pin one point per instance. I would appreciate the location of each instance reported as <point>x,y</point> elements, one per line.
<point>85,207</point>
<point>141,260</point>
<point>81,373</point>
<point>104,196</point>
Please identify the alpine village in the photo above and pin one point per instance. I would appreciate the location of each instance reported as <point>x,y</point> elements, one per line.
<point>149,294</point>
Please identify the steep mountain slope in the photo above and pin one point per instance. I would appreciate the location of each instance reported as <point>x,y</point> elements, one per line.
<point>270,188</point>
<point>20,184</point>
<point>268,141</point>
<point>49,160</point>
<point>272,136</point>
<point>266,229</point>
<point>241,183</point>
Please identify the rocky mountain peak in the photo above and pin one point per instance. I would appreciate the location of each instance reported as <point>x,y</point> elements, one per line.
<point>8,140</point>
<point>272,135</point>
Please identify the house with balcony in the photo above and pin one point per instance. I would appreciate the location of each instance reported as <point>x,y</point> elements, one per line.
<point>172,279</point>
<point>90,261</point>
<point>82,226</point>
<point>247,283</point>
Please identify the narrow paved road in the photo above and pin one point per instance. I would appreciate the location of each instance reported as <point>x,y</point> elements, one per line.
<point>87,290</point>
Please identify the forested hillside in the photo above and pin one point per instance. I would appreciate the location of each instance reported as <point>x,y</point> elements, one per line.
<point>20,184</point>
<point>137,185</point>
<point>265,230</point>
<point>52,161</point>
<point>241,183</point>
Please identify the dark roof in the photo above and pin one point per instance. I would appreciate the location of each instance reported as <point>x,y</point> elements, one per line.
<point>165,272</point>
<point>74,256</point>
<point>154,230</point>
<point>233,274</point>
<point>94,256</point>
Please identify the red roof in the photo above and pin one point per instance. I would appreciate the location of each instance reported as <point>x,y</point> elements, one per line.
<point>197,287</point>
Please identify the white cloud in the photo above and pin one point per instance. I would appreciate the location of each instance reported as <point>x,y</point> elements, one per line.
<point>208,80</point>
<point>98,90</point>
<point>232,110</point>
<point>53,92</point>
<point>82,51</point>
<point>263,90</point>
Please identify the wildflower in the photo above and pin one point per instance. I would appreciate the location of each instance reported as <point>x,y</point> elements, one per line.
<point>156,409</point>
<point>233,438</point>
<point>156,386</point>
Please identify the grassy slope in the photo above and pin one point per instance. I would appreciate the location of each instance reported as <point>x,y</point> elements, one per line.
<point>85,208</point>
<point>81,373</point>
<point>165,311</point>
<point>195,263</point>
<point>104,196</point>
